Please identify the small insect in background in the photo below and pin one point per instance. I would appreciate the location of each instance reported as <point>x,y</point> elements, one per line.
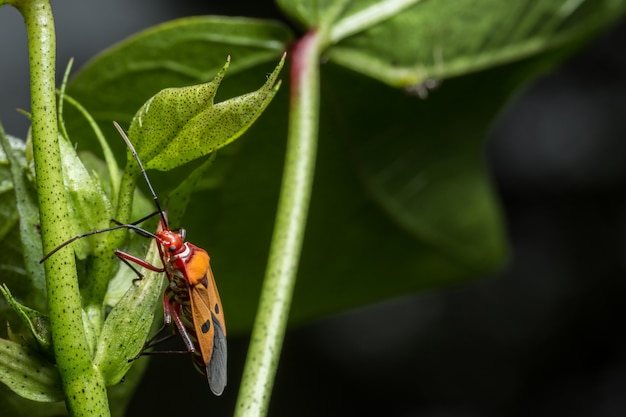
<point>191,299</point>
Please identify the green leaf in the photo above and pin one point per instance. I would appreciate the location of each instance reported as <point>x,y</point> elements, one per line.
<point>445,38</point>
<point>179,53</point>
<point>37,323</point>
<point>179,125</point>
<point>90,208</point>
<point>27,375</point>
<point>112,175</point>
<point>29,214</point>
<point>19,222</point>
<point>127,326</point>
<point>13,153</point>
<point>9,214</point>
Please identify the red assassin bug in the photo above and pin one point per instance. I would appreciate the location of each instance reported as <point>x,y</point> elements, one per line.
<point>191,299</point>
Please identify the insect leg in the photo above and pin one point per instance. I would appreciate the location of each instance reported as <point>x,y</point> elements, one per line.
<point>181,329</point>
<point>129,260</point>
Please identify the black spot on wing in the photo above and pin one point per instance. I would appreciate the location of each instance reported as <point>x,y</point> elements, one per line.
<point>206,326</point>
<point>217,308</point>
<point>216,368</point>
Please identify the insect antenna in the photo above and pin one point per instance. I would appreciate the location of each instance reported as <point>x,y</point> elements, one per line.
<point>130,226</point>
<point>143,172</point>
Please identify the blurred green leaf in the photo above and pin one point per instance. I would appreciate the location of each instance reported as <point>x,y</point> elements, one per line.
<point>440,39</point>
<point>27,375</point>
<point>423,162</point>
<point>12,404</point>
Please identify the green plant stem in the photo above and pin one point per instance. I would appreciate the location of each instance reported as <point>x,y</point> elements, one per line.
<point>293,204</point>
<point>83,386</point>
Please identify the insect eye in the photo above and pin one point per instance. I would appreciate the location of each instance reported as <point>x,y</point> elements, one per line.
<point>172,248</point>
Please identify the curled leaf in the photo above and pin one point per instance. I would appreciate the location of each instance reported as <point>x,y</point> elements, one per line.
<point>179,125</point>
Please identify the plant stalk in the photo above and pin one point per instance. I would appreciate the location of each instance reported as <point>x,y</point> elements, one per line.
<point>293,204</point>
<point>83,386</point>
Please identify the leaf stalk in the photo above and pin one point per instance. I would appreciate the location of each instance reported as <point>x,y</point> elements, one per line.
<point>293,204</point>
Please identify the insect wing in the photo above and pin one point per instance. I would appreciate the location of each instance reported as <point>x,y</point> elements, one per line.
<point>216,368</point>
<point>208,320</point>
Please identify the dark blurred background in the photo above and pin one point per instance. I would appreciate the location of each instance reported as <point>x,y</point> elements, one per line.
<point>543,337</point>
